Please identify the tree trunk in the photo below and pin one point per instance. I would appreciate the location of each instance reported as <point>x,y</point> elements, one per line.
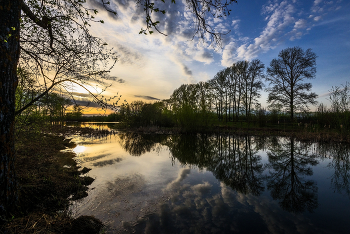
<point>10,11</point>
<point>292,105</point>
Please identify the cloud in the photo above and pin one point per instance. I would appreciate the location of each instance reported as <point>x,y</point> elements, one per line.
<point>119,80</point>
<point>186,70</point>
<point>146,97</point>
<point>127,55</point>
<point>203,76</point>
<point>301,23</point>
<point>229,54</point>
<point>235,24</point>
<point>206,57</point>
<point>86,103</point>
<point>317,18</point>
<point>86,95</point>
<point>183,173</point>
<point>201,189</point>
<point>316,2</point>
<point>107,162</point>
<point>279,17</point>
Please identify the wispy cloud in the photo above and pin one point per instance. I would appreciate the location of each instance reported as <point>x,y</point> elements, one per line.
<point>278,17</point>
<point>86,103</point>
<point>146,97</point>
<point>283,22</point>
<point>118,80</point>
<point>85,95</point>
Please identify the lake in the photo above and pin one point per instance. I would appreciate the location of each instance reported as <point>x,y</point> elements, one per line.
<point>146,183</point>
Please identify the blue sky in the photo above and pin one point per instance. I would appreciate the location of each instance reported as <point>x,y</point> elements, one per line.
<point>153,66</point>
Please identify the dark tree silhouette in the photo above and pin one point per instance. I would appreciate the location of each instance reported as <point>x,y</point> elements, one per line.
<point>286,75</point>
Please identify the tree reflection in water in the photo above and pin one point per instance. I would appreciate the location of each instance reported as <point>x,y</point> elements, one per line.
<point>238,165</point>
<point>137,144</point>
<point>290,161</point>
<point>235,161</point>
<point>340,155</point>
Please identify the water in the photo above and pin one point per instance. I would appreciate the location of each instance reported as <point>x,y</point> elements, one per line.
<point>215,184</point>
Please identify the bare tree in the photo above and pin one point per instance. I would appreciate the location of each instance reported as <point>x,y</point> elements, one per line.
<point>52,39</point>
<point>252,84</point>
<point>286,75</point>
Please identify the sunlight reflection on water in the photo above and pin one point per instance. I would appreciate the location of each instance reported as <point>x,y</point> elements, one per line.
<point>79,149</point>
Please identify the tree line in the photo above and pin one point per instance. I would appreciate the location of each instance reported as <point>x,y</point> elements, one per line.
<point>232,94</point>
<point>231,97</point>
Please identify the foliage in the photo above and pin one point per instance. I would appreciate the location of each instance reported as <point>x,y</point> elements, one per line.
<point>139,113</point>
<point>338,115</point>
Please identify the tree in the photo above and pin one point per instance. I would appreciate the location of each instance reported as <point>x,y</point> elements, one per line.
<point>286,75</point>
<point>219,86</point>
<point>252,84</point>
<point>53,39</point>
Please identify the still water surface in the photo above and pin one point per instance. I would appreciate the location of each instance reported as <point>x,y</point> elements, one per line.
<point>215,184</point>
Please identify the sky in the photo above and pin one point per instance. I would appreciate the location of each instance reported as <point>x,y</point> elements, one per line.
<point>151,67</point>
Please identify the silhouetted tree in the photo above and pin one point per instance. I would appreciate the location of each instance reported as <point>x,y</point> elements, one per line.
<point>252,85</point>
<point>286,75</point>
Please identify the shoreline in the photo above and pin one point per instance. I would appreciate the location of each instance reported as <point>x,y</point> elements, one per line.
<point>298,134</point>
<point>49,180</point>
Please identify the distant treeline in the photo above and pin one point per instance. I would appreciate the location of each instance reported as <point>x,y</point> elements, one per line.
<point>230,98</point>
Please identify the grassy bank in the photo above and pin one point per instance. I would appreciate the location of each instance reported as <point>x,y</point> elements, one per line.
<point>48,181</point>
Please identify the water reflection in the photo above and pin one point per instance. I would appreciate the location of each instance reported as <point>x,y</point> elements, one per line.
<point>137,144</point>
<point>236,162</point>
<point>340,165</point>
<point>233,160</point>
<point>289,162</point>
<point>217,184</point>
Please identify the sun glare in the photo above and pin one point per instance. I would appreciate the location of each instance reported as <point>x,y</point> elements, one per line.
<point>79,149</point>
<point>72,87</point>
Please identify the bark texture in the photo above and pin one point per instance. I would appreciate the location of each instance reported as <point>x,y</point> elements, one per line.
<point>10,11</point>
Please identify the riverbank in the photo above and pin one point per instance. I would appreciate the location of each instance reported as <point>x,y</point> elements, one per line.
<point>299,133</point>
<point>49,180</point>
